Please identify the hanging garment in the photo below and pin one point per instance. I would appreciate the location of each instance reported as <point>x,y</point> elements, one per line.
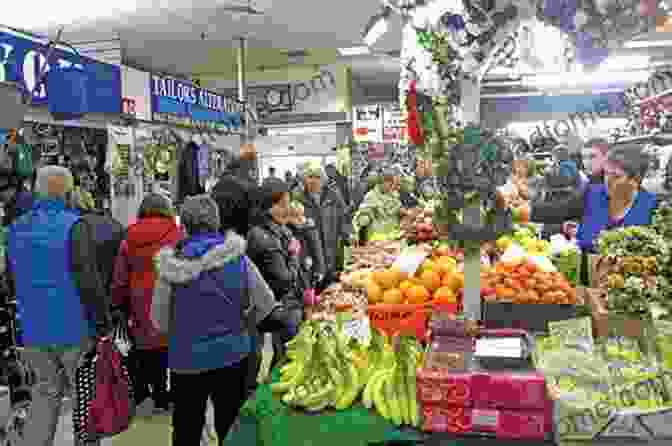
<point>203,155</point>
<point>187,175</point>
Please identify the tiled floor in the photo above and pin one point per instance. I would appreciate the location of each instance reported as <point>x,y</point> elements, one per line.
<point>149,427</point>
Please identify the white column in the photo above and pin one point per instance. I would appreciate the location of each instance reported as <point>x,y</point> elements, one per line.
<point>470,114</point>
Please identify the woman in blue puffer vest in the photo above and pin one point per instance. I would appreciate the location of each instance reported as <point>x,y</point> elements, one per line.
<point>216,299</point>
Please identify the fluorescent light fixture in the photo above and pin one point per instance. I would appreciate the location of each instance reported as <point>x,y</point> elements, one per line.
<point>634,44</point>
<point>377,26</point>
<point>291,131</point>
<point>582,79</point>
<point>632,62</point>
<point>354,51</point>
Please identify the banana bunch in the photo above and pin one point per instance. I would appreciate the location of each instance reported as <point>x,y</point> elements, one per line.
<point>391,387</point>
<point>322,371</point>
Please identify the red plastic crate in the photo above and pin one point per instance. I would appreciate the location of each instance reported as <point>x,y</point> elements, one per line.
<point>510,390</point>
<point>456,420</point>
<point>438,386</point>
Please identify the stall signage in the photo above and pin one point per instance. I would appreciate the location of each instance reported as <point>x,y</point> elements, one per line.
<point>178,101</point>
<point>23,59</point>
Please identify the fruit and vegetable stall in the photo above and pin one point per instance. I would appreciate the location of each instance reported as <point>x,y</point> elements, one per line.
<point>387,354</point>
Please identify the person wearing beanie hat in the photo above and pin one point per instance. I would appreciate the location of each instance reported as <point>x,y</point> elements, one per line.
<point>326,208</point>
<point>209,300</point>
<point>133,290</point>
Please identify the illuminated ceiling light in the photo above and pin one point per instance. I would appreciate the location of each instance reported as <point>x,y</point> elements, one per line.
<point>581,79</point>
<point>354,51</point>
<point>634,44</point>
<point>634,62</point>
<point>377,26</point>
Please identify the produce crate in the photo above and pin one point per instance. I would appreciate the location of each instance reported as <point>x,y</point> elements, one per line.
<point>529,317</point>
<point>504,404</point>
<point>604,323</point>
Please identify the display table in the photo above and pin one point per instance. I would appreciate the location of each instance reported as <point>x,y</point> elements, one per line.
<point>266,421</point>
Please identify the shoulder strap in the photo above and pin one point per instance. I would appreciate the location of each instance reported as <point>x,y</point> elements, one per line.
<point>246,304</point>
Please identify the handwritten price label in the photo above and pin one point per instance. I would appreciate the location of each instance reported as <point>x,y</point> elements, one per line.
<point>358,329</point>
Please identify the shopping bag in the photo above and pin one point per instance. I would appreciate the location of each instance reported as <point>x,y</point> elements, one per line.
<point>85,380</point>
<point>112,407</point>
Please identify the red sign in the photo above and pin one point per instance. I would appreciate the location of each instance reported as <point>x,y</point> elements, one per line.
<point>128,106</point>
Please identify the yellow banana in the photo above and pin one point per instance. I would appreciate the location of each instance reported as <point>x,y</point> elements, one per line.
<point>379,399</point>
<point>367,397</point>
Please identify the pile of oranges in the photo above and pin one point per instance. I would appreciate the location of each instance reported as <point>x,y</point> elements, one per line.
<point>524,283</point>
<point>437,280</point>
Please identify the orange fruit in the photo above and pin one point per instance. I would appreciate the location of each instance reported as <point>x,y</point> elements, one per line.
<point>417,295</point>
<point>374,293</point>
<point>454,281</point>
<point>430,280</point>
<point>445,295</point>
<point>405,286</point>
<point>387,279</point>
<point>393,296</point>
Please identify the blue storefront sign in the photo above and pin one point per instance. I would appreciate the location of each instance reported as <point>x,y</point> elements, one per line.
<point>23,59</point>
<point>182,102</point>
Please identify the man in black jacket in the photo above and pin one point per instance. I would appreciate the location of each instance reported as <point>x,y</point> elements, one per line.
<point>237,185</point>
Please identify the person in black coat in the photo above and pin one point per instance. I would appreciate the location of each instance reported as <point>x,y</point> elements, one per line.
<point>242,195</point>
<point>275,251</point>
<point>311,257</point>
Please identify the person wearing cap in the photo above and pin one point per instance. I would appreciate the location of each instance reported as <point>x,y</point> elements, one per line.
<point>380,213</point>
<point>55,267</point>
<point>326,208</point>
<point>133,289</point>
<point>210,299</point>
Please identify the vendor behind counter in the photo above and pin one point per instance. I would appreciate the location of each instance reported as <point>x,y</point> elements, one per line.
<point>619,202</point>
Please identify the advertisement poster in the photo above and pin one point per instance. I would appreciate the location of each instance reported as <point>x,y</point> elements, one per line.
<point>367,125</point>
<point>394,124</point>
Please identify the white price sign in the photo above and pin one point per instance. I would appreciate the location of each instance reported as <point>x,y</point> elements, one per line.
<point>358,329</point>
<point>499,347</point>
<point>409,262</point>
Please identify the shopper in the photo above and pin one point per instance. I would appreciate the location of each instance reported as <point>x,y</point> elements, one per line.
<point>216,297</point>
<point>328,210</point>
<point>133,288</point>
<point>621,201</point>
<point>53,264</point>
<point>237,187</point>
<point>338,182</point>
<point>311,259</point>
<point>273,248</point>
<point>379,214</point>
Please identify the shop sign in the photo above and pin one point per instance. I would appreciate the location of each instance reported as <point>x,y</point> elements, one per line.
<point>128,106</point>
<point>394,124</point>
<point>23,59</point>
<point>182,102</point>
<point>367,124</point>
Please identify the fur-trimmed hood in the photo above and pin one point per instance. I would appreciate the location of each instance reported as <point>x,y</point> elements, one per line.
<point>210,253</point>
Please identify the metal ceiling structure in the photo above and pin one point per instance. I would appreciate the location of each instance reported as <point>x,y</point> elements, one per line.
<point>176,37</point>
